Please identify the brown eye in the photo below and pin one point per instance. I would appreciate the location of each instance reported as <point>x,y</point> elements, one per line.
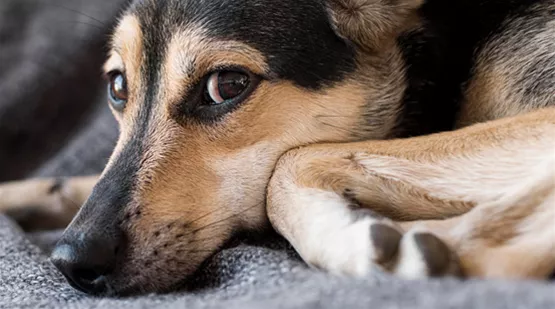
<point>117,90</point>
<point>226,85</point>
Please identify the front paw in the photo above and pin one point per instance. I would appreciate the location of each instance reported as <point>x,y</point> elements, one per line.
<point>412,255</point>
<point>424,255</point>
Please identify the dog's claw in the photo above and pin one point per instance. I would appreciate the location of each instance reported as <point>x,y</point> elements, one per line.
<point>385,240</point>
<point>415,254</point>
<point>434,252</point>
<point>424,255</point>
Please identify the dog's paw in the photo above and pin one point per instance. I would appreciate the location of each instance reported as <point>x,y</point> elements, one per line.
<point>332,232</point>
<point>384,241</point>
<point>423,255</point>
<point>353,252</point>
<point>413,255</point>
<point>39,204</point>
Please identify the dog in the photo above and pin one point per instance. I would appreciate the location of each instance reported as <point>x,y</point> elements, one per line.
<point>412,136</point>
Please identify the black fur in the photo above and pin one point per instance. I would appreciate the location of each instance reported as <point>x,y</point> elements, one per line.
<point>441,56</point>
<point>296,36</point>
<point>112,194</point>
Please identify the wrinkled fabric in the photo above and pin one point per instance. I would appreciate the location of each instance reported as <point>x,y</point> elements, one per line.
<point>54,121</point>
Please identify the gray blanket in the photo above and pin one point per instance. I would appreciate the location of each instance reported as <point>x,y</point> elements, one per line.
<point>54,121</point>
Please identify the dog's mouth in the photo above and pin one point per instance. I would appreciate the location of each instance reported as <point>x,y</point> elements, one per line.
<point>97,286</point>
<point>130,281</point>
<point>162,262</point>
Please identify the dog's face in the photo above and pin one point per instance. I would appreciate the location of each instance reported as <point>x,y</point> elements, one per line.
<point>209,94</point>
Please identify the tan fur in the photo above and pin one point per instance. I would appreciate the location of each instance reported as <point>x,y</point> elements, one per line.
<point>45,203</point>
<point>126,56</point>
<point>127,43</point>
<point>435,177</point>
<point>193,51</point>
<point>373,24</point>
<point>496,239</point>
<point>507,79</point>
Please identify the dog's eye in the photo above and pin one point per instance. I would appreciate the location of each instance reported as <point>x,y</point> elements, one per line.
<point>117,90</point>
<point>225,85</point>
<point>218,94</point>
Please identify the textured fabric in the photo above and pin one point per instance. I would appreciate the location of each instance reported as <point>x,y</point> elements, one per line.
<point>54,121</point>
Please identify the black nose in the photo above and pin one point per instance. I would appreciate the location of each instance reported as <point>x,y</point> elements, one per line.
<point>85,260</point>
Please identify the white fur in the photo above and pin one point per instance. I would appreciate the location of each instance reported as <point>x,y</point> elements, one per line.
<point>411,263</point>
<point>328,236</point>
<point>322,229</point>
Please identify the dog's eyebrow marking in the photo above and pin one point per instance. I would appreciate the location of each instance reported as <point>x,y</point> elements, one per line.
<point>127,44</point>
<point>204,54</point>
<point>191,53</point>
<point>114,62</point>
<point>126,55</point>
<point>128,35</point>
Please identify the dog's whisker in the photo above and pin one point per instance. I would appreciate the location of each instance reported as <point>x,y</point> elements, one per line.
<point>81,13</point>
<point>199,251</point>
<point>331,116</point>
<point>200,240</point>
<point>326,108</point>
<point>352,132</point>
<point>202,217</point>
<point>224,219</point>
<point>74,203</point>
<point>83,23</point>
<point>48,68</point>
<point>189,223</point>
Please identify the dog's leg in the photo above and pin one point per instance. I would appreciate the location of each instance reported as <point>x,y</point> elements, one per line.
<point>40,204</point>
<point>513,237</point>
<point>503,171</point>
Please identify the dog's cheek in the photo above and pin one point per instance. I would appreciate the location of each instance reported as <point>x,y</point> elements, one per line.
<point>159,260</point>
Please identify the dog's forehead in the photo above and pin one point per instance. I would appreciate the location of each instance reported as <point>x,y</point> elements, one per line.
<point>295,36</point>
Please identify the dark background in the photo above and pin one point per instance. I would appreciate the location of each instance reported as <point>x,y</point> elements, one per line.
<point>54,119</point>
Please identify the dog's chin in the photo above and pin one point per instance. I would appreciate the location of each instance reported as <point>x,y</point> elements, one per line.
<point>129,286</point>
<point>159,278</point>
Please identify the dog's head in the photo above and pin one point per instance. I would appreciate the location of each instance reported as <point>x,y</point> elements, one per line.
<point>209,94</point>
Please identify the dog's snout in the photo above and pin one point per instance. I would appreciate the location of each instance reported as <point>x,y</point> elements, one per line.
<point>85,260</point>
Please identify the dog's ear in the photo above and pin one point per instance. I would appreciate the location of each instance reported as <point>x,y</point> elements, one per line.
<point>371,23</point>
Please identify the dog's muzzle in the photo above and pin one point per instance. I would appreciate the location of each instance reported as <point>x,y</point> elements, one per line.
<point>86,259</point>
